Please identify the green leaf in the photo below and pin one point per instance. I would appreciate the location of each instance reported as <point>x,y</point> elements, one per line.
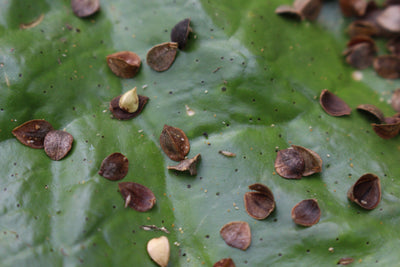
<point>253,80</point>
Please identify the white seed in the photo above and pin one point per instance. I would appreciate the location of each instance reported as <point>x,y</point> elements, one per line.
<point>158,249</point>
<point>129,101</point>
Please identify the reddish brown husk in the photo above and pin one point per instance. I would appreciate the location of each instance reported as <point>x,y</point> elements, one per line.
<point>161,57</point>
<point>289,164</point>
<point>174,143</point>
<point>236,234</point>
<point>387,66</point>
<point>85,8</point>
<point>366,191</point>
<point>187,165</point>
<point>309,9</point>
<point>372,111</point>
<point>227,262</point>
<point>362,28</point>
<point>137,196</point>
<point>312,161</point>
<point>32,133</point>
<point>386,131</point>
<point>180,33</point>
<point>114,167</point>
<point>353,7</point>
<point>124,64</point>
<point>395,101</point>
<point>261,203</point>
<point>57,144</point>
<point>333,105</point>
<point>288,11</point>
<point>306,212</point>
<point>394,119</point>
<point>360,52</point>
<point>121,114</point>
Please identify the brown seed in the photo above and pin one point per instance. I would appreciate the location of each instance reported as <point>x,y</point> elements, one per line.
<point>137,196</point>
<point>345,261</point>
<point>174,143</point>
<point>161,57</point>
<point>333,105</point>
<point>187,165</point>
<point>85,8</point>
<point>124,64</point>
<point>389,19</point>
<point>121,114</point>
<point>261,203</point>
<point>387,66</point>
<point>309,9</point>
<point>360,52</point>
<point>353,7</point>
<point>236,234</point>
<point>312,161</point>
<point>387,131</point>
<point>227,262</point>
<point>180,33</point>
<point>114,167</point>
<point>306,212</point>
<point>366,192</point>
<point>362,28</point>
<point>32,133</point>
<point>395,101</point>
<point>394,46</point>
<point>288,11</point>
<point>372,111</point>
<point>289,164</point>
<point>57,144</point>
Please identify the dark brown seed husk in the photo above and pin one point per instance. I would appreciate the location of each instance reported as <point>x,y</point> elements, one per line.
<point>124,64</point>
<point>393,46</point>
<point>394,119</point>
<point>259,204</point>
<point>57,144</point>
<point>387,66</point>
<point>395,101</point>
<point>180,33</point>
<point>288,11</point>
<point>236,234</point>
<point>161,57</point>
<point>362,28</point>
<point>366,191</point>
<point>187,165</point>
<point>360,52</point>
<point>174,143</point>
<point>137,196</point>
<point>32,133</point>
<point>306,212</point>
<point>312,161</point>
<point>114,167</point>
<point>372,111</point>
<point>387,131</point>
<point>121,114</point>
<point>309,9</point>
<point>389,19</point>
<point>289,164</point>
<point>227,262</point>
<point>333,105</point>
<point>85,8</point>
<point>345,261</point>
<point>353,7</point>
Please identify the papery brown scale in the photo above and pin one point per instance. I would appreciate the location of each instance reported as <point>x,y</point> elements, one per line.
<point>236,234</point>
<point>114,167</point>
<point>387,131</point>
<point>32,133</point>
<point>374,112</point>
<point>161,57</point>
<point>333,105</point>
<point>289,164</point>
<point>260,204</point>
<point>312,161</point>
<point>57,144</point>
<point>174,143</point>
<point>387,66</point>
<point>306,212</point>
<point>124,64</point>
<point>366,191</point>
<point>137,196</point>
<point>362,28</point>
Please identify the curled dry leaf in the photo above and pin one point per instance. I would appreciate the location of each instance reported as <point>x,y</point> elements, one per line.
<point>387,66</point>
<point>333,105</point>
<point>387,131</point>
<point>289,163</point>
<point>261,203</point>
<point>159,250</point>
<point>227,262</point>
<point>85,8</point>
<point>137,196</point>
<point>124,64</point>
<point>345,261</point>
<point>306,212</point>
<point>180,33</point>
<point>32,133</point>
<point>351,8</point>
<point>174,143</point>
<point>389,19</point>
<point>288,11</point>
<point>312,161</point>
<point>114,167</point>
<point>366,191</point>
<point>360,52</point>
<point>374,112</point>
<point>161,57</point>
<point>57,144</point>
<point>309,9</point>
<point>121,114</point>
<point>236,234</point>
<point>395,101</point>
<point>187,165</point>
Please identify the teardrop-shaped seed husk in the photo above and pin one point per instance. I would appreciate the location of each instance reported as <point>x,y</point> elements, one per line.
<point>395,100</point>
<point>366,191</point>
<point>32,133</point>
<point>180,33</point>
<point>312,161</point>
<point>85,8</point>
<point>362,28</point>
<point>372,111</point>
<point>261,203</point>
<point>227,262</point>
<point>174,143</point>
<point>389,19</point>
<point>289,164</point>
<point>124,64</point>
<point>236,234</point>
<point>121,114</point>
<point>159,250</point>
<point>393,46</point>
<point>351,8</point>
<point>57,144</point>
<point>187,165</point>
<point>288,11</point>
<point>386,131</point>
<point>309,9</point>
<point>333,105</point>
<point>387,66</point>
<point>114,167</point>
<point>161,57</point>
<point>361,52</point>
<point>137,196</point>
<point>306,212</point>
